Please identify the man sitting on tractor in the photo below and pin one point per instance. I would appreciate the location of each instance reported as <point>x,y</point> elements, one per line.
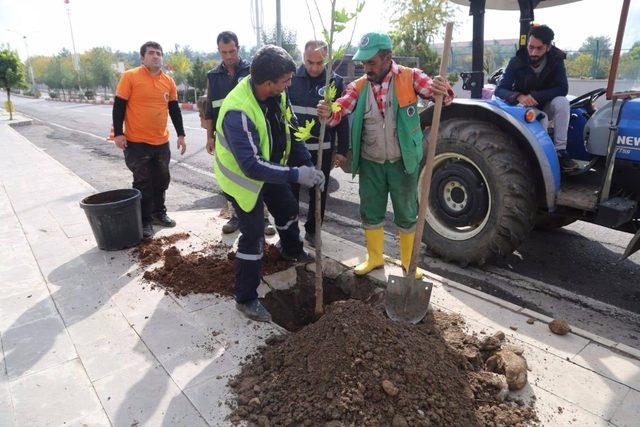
<point>536,77</point>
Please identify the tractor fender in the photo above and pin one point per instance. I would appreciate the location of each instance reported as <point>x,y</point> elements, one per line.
<point>532,137</point>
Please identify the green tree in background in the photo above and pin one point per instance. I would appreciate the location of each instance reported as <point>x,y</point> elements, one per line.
<point>60,74</point>
<point>11,75</point>
<point>289,42</point>
<point>99,66</point>
<point>180,65</point>
<point>414,24</point>
<point>198,76</point>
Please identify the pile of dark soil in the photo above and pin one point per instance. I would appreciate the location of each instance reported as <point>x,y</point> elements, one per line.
<point>356,367</point>
<point>210,270</point>
<point>150,250</point>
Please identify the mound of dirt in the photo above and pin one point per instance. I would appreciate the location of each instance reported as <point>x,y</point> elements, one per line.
<point>356,367</point>
<point>150,250</point>
<point>210,270</point>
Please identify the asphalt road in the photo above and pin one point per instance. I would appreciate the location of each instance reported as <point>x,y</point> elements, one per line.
<point>573,272</point>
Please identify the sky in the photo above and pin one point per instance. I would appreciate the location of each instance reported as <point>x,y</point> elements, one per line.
<point>126,24</point>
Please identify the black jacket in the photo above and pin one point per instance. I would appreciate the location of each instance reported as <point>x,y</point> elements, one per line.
<point>304,94</point>
<point>519,78</point>
<point>219,84</point>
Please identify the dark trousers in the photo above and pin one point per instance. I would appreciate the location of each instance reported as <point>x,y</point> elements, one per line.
<point>310,224</point>
<point>150,167</point>
<point>283,206</point>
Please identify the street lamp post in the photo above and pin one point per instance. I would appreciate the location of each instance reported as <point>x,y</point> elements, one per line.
<point>33,79</point>
<point>26,47</point>
<point>76,60</point>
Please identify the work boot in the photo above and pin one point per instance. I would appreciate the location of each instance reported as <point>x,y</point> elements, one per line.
<point>254,310</point>
<point>163,220</point>
<point>567,164</point>
<point>310,238</point>
<point>147,230</point>
<point>375,245</point>
<point>231,226</point>
<point>406,248</point>
<point>269,229</point>
<point>301,257</point>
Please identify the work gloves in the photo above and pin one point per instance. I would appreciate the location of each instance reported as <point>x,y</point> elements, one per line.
<point>310,177</point>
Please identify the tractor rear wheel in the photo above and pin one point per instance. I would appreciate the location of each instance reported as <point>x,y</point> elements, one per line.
<point>482,201</point>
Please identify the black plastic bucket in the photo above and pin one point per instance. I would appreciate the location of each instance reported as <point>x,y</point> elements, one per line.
<point>115,218</point>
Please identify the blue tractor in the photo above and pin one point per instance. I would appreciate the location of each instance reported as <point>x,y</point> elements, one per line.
<point>497,175</point>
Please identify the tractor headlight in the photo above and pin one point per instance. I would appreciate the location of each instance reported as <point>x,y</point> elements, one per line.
<point>530,115</point>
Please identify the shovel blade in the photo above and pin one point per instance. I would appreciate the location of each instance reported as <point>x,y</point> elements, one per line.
<point>407,299</point>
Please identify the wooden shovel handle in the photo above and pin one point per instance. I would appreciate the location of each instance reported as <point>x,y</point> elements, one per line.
<point>425,178</point>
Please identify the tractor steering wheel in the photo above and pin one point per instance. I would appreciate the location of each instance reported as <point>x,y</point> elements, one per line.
<point>587,100</point>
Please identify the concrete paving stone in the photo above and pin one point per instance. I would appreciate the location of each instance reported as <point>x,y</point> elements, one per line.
<point>62,267</point>
<point>6,402</point>
<point>59,248</point>
<point>593,337</point>
<point>115,352</point>
<point>77,229</point>
<point>36,346</point>
<point>25,307</point>
<point>631,351</point>
<point>347,252</point>
<point>210,398</point>
<point>210,359</point>
<point>16,278</point>
<point>103,323</point>
<point>193,302</point>
<point>83,243</point>
<point>76,306</point>
<point>263,289</point>
<point>137,301</point>
<point>485,312</point>
<point>610,365</point>
<point>554,411</point>
<point>227,323</point>
<point>330,268</point>
<point>572,382</point>
<point>96,419</point>
<point>144,394</point>
<point>628,414</point>
<point>55,396</point>
<point>282,280</point>
<point>168,332</point>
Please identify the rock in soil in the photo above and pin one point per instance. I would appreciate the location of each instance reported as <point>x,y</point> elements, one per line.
<point>512,365</point>
<point>210,270</point>
<point>356,367</point>
<point>559,327</point>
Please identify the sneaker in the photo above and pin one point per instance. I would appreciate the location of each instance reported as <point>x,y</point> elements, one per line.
<point>310,238</point>
<point>302,257</point>
<point>163,220</point>
<point>147,230</point>
<point>254,310</point>
<point>269,229</point>
<point>231,226</point>
<point>567,164</point>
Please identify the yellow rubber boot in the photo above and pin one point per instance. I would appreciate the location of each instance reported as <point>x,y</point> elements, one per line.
<point>406,246</point>
<point>375,244</point>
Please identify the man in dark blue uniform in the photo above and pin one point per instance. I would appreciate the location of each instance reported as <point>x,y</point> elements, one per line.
<point>305,92</point>
<point>220,81</point>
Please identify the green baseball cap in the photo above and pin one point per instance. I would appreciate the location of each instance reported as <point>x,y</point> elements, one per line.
<point>370,44</point>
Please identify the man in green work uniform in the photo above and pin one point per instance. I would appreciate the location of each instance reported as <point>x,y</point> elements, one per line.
<point>386,142</point>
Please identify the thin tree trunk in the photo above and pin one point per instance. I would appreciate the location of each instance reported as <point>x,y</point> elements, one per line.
<point>9,103</point>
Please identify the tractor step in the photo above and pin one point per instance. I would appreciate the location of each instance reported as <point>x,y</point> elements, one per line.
<point>578,195</point>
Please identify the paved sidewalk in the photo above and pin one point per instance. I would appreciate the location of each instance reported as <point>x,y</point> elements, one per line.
<point>84,342</point>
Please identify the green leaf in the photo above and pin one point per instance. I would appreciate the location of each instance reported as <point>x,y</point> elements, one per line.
<point>341,16</point>
<point>337,27</point>
<point>304,133</point>
<point>335,107</point>
<point>339,53</point>
<point>330,93</point>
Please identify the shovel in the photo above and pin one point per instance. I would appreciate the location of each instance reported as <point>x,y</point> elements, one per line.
<point>407,298</point>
